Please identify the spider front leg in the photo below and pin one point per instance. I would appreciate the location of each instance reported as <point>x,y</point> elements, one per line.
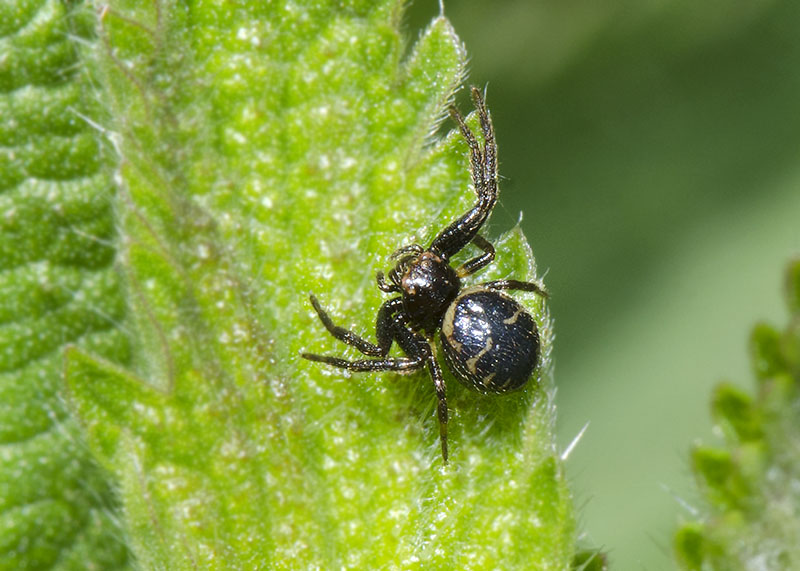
<point>483,166</point>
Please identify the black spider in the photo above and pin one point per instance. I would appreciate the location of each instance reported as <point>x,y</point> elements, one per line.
<point>490,343</point>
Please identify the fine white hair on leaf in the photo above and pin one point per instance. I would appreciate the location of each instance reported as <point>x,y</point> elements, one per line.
<point>568,450</point>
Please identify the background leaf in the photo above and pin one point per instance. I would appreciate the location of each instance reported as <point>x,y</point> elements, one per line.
<point>57,287</point>
<point>749,514</point>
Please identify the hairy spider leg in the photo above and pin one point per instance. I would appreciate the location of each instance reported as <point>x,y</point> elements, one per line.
<point>397,364</point>
<point>475,152</point>
<point>515,285</point>
<point>490,150</point>
<point>441,396</point>
<point>483,164</point>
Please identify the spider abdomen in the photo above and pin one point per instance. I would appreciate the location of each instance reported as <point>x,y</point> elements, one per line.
<point>490,342</point>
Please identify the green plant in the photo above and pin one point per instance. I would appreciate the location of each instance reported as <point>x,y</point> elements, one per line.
<point>750,515</point>
<point>174,179</point>
<point>58,286</point>
<point>258,151</point>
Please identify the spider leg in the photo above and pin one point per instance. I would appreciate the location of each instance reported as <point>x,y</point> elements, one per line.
<point>410,250</point>
<point>516,285</point>
<point>383,329</point>
<point>399,364</point>
<point>385,286</point>
<point>475,153</point>
<point>490,148</point>
<point>416,346</point>
<point>441,395</point>
<point>483,164</point>
<point>471,266</point>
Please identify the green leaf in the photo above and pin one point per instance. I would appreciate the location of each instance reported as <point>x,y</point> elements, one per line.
<point>750,517</point>
<point>765,347</point>
<point>57,287</point>
<point>590,560</point>
<point>690,547</point>
<point>268,150</point>
<point>734,410</point>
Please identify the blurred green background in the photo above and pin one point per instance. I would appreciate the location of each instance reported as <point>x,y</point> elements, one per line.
<point>654,149</point>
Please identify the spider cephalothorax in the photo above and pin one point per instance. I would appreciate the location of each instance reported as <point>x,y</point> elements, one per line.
<point>490,343</point>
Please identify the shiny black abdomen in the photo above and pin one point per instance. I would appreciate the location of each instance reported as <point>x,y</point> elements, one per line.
<point>490,342</point>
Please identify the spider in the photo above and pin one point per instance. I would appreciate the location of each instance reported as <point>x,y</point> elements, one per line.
<point>490,343</point>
